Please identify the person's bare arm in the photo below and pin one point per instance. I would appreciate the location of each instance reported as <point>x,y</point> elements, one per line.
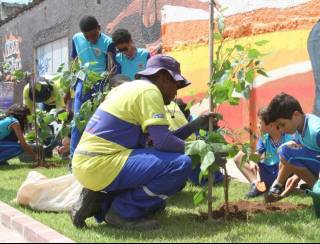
<point>131,9</point>
<point>18,131</point>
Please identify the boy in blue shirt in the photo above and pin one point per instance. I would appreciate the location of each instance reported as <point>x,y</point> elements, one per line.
<point>299,158</point>
<point>96,49</point>
<point>267,148</point>
<point>130,60</point>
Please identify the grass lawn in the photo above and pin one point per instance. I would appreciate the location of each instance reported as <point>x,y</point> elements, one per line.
<point>179,223</point>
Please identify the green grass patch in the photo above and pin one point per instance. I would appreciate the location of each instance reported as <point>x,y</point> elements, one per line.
<point>179,221</point>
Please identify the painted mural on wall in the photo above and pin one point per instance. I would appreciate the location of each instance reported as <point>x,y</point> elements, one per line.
<point>151,17</point>
<point>11,51</point>
<point>286,24</point>
<point>6,95</point>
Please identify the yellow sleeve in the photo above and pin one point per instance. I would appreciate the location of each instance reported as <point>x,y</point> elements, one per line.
<point>57,93</point>
<point>26,99</point>
<point>152,111</point>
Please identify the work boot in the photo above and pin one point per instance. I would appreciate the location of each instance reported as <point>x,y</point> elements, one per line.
<point>115,220</point>
<point>254,192</point>
<point>274,194</point>
<point>4,163</point>
<point>88,205</point>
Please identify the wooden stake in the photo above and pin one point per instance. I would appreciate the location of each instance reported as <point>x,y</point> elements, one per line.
<point>33,89</point>
<point>211,48</point>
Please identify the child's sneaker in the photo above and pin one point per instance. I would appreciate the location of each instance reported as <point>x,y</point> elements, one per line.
<point>254,192</point>
<point>276,189</point>
<point>274,194</point>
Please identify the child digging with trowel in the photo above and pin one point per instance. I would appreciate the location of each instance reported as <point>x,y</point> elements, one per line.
<point>262,175</point>
<point>301,157</point>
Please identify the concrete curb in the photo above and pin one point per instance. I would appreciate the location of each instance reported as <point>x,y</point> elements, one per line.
<point>32,230</point>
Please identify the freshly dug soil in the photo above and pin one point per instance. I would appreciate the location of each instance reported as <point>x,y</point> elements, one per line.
<point>243,210</point>
<point>45,165</point>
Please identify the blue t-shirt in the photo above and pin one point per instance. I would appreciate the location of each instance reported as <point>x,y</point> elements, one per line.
<point>5,126</point>
<point>270,149</point>
<point>93,53</point>
<point>131,66</point>
<point>310,136</point>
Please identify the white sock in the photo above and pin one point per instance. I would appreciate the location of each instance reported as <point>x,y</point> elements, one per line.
<point>276,183</point>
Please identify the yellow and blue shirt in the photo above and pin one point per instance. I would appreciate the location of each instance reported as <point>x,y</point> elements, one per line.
<point>118,126</point>
<point>177,119</point>
<point>131,66</point>
<point>56,98</point>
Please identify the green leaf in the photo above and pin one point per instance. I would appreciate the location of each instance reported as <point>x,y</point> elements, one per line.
<point>217,36</point>
<point>61,67</point>
<point>48,119</point>
<point>65,132</point>
<point>227,64</point>
<point>234,101</point>
<point>199,198</point>
<point>18,74</point>
<point>30,136</point>
<point>250,76</point>
<point>240,87</point>
<point>63,116</point>
<point>220,93</point>
<point>203,133</point>
<point>216,137</point>
<point>234,150</point>
<point>94,77</point>
<point>246,148</point>
<point>208,160</point>
<point>262,43</point>
<point>220,147</point>
<point>57,77</point>
<point>253,54</point>
<point>262,72</point>
<point>239,48</point>
<point>196,160</point>
<point>198,147</point>
<point>30,119</point>
<point>254,158</point>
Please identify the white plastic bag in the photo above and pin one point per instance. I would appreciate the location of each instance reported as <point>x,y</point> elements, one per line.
<point>43,194</point>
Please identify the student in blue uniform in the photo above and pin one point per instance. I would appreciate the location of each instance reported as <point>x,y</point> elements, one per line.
<point>267,149</point>
<point>130,60</point>
<point>12,142</point>
<point>94,48</point>
<point>301,156</point>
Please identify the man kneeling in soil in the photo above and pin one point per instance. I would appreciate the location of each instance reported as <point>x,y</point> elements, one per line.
<point>111,156</point>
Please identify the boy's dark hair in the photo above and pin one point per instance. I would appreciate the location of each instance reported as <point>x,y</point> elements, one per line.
<point>117,80</point>
<point>183,107</point>
<point>43,94</point>
<point>283,106</point>
<point>88,23</point>
<point>121,36</point>
<point>263,114</point>
<point>19,112</point>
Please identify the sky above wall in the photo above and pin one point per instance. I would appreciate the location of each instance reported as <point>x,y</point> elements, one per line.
<point>16,1</point>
